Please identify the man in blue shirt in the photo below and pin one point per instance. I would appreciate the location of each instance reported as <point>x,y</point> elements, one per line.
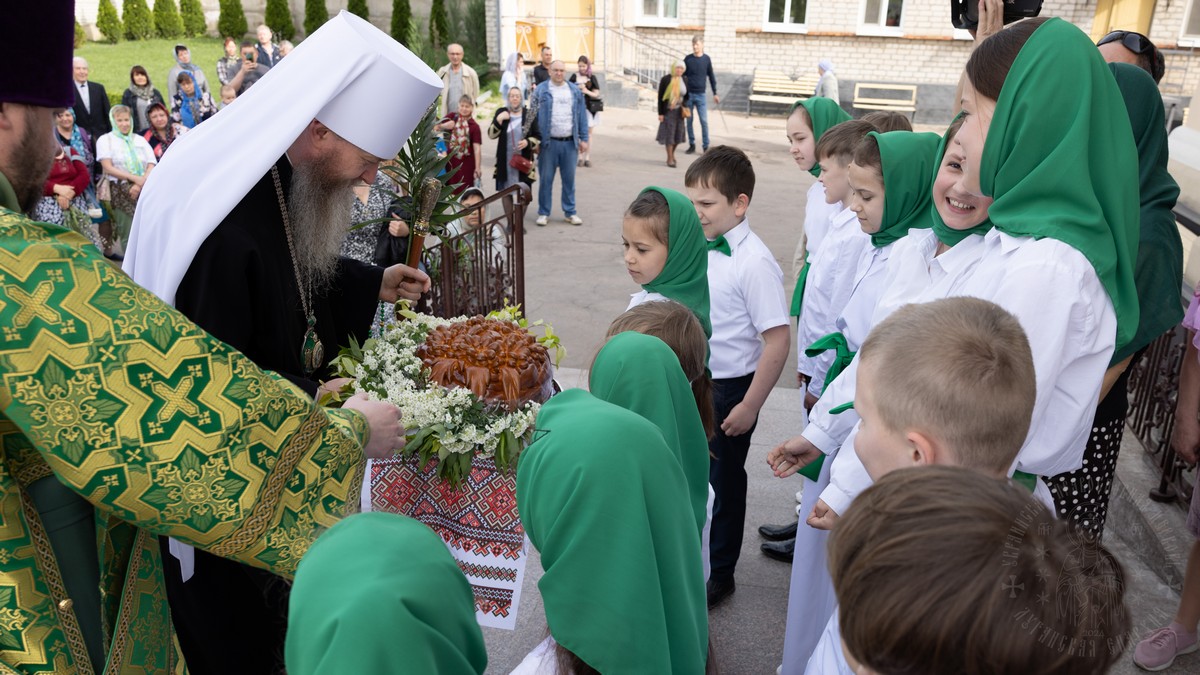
<point>698,72</point>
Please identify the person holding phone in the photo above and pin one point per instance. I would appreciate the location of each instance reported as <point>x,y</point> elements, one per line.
<point>251,70</point>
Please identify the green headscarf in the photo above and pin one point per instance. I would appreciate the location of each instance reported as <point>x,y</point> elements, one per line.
<point>908,159</point>
<point>824,113</point>
<point>1158,269</point>
<point>641,374</point>
<point>133,162</point>
<point>947,235</point>
<point>684,278</point>
<point>1060,160</point>
<point>379,593</point>
<point>605,503</point>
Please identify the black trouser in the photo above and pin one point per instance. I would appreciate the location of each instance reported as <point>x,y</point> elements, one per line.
<point>230,618</point>
<point>727,474</point>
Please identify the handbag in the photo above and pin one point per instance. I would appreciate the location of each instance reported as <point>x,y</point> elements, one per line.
<point>104,189</point>
<point>685,111</point>
<point>521,163</point>
<point>594,105</point>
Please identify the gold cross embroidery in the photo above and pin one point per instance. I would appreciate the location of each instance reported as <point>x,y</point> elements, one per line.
<point>33,305</point>
<point>175,400</point>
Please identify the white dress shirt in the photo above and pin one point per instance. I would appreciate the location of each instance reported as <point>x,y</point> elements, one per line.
<point>1071,325</point>
<point>746,299</point>
<point>828,658</point>
<point>817,218</point>
<point>830,281</point>
<point>83,94</point>
<point>644,296</point>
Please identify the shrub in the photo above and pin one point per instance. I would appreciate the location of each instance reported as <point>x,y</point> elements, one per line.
<point>359,8</point>
<point>439,25</point>
<point>315,15</point>
<point>167,23</point>
<point>279,19</point>
<point>475,32</point>
<point>402,22</point>
<point>232,21</point>
<point>108,23</point>
<point>80,36</point>
<point>139,24</point>
<point>192,15</point>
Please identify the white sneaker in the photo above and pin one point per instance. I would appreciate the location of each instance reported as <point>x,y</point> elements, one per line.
<point>574,220</point>
<point>542,220</point>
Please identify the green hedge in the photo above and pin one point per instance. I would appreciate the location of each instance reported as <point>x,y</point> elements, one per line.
<point>279,19</point>
<point>109,23</point>
<point>315,16</point>
<point>359,8</point>
<point>401,22</point>
<point>232,21</point>
<point>139,24</point>
<point>192,15</point>
<point>167,22</point>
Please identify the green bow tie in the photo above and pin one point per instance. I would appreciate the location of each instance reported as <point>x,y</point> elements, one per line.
<point>719,244</point>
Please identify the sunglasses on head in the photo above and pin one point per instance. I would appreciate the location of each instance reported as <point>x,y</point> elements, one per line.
<point>1138,44</point>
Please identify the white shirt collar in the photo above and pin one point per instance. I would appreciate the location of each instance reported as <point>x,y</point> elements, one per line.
<point>738,234</point>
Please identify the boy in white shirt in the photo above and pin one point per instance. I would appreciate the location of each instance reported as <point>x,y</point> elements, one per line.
<point>949,382</point>
<point>749,342</point>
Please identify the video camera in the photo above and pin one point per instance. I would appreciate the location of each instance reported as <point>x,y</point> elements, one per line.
<point>964,14</point>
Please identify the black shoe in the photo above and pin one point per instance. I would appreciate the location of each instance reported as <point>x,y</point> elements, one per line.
<point>719,590</point>
<point>690,151</point>
<point>777,532</point>
<point>779,550</point>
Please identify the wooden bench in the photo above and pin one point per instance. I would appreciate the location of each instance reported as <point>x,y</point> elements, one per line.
<point>899,97</point>
<point>772,86</point>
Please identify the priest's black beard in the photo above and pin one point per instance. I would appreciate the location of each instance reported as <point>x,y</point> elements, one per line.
<point>319,206</point>
<point>33,162</point>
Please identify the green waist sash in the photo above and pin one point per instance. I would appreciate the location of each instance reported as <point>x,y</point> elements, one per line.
<point>798,294</point>
<point>836,342</point>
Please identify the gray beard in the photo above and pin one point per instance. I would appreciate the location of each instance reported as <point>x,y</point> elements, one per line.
<point>319,207</point>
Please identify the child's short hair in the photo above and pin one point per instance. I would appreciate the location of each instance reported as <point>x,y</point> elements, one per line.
<point>228,89</point>
<point>840,140</point>
<point>960,369</point>
<point>678,327</point>
<point>465,98</point>
<point>887,120</point>
<point>942,570</point>
<point>725,169</point>
<point>866,155</point>
<point>652,207</point>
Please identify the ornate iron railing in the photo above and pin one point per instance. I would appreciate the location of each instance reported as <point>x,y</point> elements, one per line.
<point>1153,389</point>
<point>481,266</point>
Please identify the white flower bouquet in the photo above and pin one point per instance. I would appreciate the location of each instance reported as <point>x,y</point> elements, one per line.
<point>473,389</point>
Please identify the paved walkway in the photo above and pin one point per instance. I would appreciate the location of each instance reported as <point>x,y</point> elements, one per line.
<point>577,281</point>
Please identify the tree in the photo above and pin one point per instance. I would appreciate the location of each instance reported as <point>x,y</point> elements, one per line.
<point>315,15</point>
<point>232,21</point>
<point>167,23</point>
<point>475,34</point>
<point>359,8</point>
<point>439,25</point>
<point>108,23</point>
<point>139,24</point>
<point>401,20</point>
<point>80,36</point>
<point>279,19</point>
<point>192,15</point>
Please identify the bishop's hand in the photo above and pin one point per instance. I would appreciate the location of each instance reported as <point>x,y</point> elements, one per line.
<point>402,282</point>
<point>387,434</point>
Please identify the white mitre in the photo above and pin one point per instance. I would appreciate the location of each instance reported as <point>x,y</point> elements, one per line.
<point>349,75</point>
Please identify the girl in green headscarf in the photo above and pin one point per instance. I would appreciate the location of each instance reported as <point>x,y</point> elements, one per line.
<point>379,593</point>
<point>1047,136</point>
<point>640,373</point>
<point>604,501</point>
<point>807,121</point>
<point>666,252</point>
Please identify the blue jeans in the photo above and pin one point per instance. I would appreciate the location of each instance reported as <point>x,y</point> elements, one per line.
<point>560,155</point>
<point>699,105</point>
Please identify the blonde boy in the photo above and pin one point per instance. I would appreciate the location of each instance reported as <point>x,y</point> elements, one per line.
<point>949,382</point>
<point>749,342</point>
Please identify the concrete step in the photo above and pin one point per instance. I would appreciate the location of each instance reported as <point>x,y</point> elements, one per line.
<point>1155,532</point>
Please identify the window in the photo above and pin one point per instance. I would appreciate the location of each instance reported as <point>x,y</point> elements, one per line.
<point>882,13</point>
<point>660,9</point>
<point>786,12</point>
<point>1191,27</point>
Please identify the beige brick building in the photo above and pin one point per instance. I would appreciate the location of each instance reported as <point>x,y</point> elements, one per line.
<point>892,41</point>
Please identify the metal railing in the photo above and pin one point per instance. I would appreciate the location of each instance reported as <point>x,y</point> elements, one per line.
<point>1153,390</point>
<point>643,59</point>
<point>480,267</point>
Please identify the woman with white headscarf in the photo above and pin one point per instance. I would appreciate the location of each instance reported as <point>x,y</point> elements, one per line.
<point>513,76</point>
<point>827,86</point>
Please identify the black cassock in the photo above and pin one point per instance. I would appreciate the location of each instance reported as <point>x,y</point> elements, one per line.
<point>241,287</point>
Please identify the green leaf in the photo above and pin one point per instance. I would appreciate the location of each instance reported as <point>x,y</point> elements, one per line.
<point>55,377</point>
<point>159,496</point>
<point>6,595</point>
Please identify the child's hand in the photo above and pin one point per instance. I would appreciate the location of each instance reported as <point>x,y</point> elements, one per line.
<point>1185,438</point>
<point>794,454</point>
<point>739,420</point>
<point>822,517</point>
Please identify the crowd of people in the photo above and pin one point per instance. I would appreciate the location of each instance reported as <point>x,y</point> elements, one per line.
<point>967,306</point>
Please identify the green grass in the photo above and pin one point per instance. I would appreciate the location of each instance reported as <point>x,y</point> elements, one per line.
<point>110,64</point>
